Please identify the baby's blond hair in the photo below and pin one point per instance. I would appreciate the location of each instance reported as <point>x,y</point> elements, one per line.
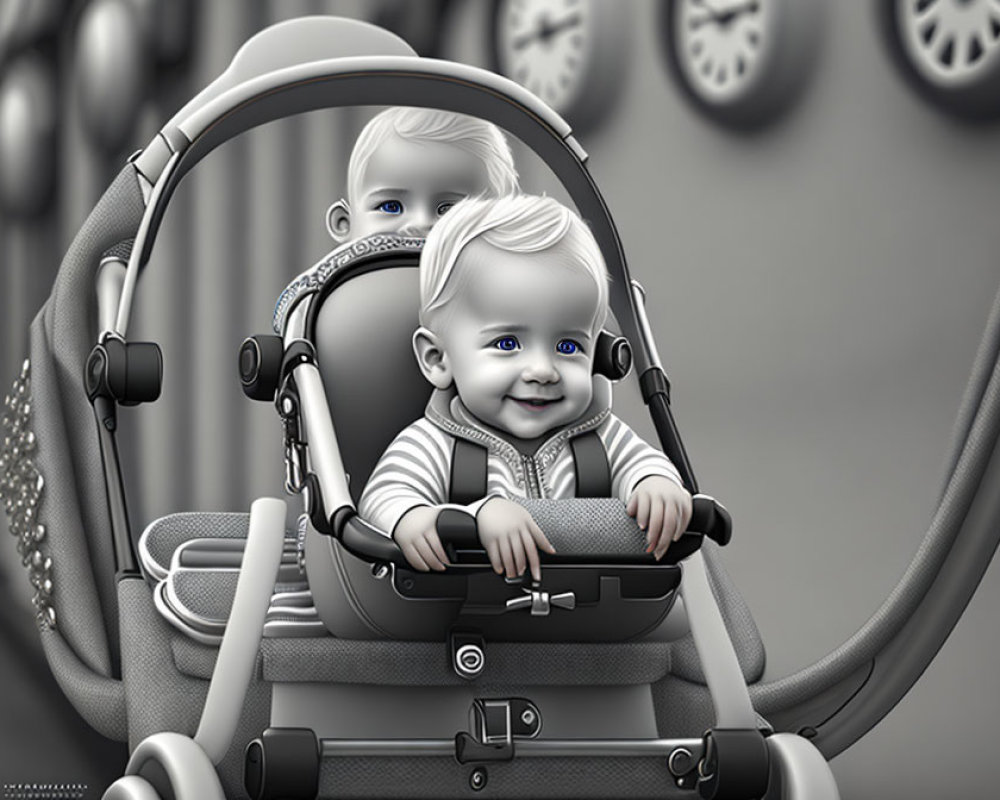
<point>520,223</point>
<point>482,139</point>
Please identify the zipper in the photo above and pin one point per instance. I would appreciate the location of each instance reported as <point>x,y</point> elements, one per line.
<point>532,478</point>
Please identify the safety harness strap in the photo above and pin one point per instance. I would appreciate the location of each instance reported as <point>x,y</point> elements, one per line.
<point>590,461</point>
<point>468,472</point>
<point>468,469</point>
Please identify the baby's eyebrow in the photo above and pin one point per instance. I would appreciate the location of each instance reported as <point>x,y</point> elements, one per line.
<point>396,192</point>
<point>501,328</point>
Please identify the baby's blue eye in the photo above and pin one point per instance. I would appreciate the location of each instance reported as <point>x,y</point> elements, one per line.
<point>507,343</point>
<point>444,208</point>
<point>391,207</point>
<point>568,347</point>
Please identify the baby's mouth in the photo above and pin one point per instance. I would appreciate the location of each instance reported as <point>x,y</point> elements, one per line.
<point>536,403</point>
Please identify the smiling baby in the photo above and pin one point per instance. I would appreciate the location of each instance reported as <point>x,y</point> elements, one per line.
<point>513,295</point>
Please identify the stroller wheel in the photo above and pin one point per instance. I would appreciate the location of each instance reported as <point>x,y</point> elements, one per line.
<point>131,787</point>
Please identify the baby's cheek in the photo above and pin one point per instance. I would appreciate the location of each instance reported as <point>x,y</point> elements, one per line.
<point>583,385</point>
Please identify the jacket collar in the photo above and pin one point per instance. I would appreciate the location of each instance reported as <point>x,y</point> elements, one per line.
<point>446,410</point>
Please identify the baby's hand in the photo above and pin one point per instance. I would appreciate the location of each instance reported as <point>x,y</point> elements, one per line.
<point>417,536</point>
<point>662,509</point>
<point>511,537</point>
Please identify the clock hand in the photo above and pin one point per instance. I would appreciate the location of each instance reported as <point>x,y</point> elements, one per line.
<point>564,24</point>
<point>723,18</point>
<point>730,14</point>
<point>546,30</point>
<point>713,14</point>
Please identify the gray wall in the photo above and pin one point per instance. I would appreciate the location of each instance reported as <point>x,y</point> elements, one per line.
<point>817,289</point>
<point>823,287</point>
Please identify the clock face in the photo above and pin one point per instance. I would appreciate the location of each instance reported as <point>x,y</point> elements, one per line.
<point>722,45</point>
<point>950,51</point>
<point>567,52</point>
<point>741,62</point>
<point>951,43</point>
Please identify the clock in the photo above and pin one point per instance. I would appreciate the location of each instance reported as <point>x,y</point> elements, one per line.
<point>740,62</point>
<point>570,53</point>
<point>949,50</point>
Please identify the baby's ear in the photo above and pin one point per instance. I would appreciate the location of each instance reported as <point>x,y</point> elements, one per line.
<point>431,357</point>
<point>338,221</point>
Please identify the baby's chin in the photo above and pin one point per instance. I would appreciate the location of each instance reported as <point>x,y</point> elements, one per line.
<point>531,423</point>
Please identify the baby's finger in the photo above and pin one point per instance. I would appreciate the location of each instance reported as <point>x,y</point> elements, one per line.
<point>435,542</point>
<point>493,551</point>
<point>413,557</point>
<point>517,548</point>
<point>667,530</point>
<point>682,521</point>
<point>531,550</point>
<point>642,511</point>
<point>657,515</point>
<point>631,505</point>
<point>507,557</point>
<point>540,538</point>
<point>687,509</point>
<point>427,554</point>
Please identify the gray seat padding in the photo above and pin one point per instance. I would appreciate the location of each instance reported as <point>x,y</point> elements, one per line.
<point>391,663</point>
<point>163,536</point>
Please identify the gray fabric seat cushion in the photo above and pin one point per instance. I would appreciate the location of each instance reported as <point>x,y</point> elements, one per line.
<point>163,536</point>
<point>425,663</point>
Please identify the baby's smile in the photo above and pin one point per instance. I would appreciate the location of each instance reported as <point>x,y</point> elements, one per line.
<point>535,403</point>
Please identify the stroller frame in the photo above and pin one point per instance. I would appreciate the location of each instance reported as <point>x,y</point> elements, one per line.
<point>265,82</point>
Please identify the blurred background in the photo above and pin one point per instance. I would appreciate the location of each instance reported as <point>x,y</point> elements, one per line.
<point>819,244</point>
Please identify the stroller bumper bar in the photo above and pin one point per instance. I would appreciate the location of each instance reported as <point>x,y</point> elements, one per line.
<point>709,518</point>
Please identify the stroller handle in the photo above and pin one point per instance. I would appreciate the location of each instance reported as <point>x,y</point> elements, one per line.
<point>569,525</point>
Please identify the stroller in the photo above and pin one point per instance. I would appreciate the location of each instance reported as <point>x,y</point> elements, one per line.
<point>255,662</point>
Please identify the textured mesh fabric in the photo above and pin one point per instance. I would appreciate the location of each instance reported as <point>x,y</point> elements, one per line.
<point>160,698</point>
<point>425,663</point>
<point>559,778</point>
<point>570,526</point>
<point>99,700</point>
<point>67,328</point>
<point>192,658</point>
<point>79,618</point>
<point>739,624</point>
<point>684,709</point>
<point>163,536</point>
<point>205,593</point>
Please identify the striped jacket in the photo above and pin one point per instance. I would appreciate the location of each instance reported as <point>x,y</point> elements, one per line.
<point>415,468</point>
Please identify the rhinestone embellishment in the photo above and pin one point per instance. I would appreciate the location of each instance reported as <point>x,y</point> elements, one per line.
<point>21,487</point>
<point>339,258</point>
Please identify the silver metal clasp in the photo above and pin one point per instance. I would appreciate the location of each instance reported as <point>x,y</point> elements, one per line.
<point>541,602</point>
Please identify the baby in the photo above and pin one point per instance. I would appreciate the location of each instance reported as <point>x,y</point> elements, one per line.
<point>410,165</point>
<point>407,168</point>
<point>513,294</point>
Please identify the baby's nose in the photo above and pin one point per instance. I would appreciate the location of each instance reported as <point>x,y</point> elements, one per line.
<point>419,223</point>
<point>540,368</point>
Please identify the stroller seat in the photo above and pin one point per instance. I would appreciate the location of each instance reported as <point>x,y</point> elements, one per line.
<point>356,655</point>
<point>360,318</point>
